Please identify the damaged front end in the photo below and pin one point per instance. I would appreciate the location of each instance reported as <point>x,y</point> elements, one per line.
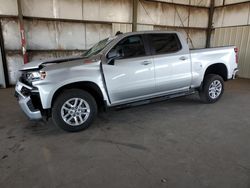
<point>29,100</point>
<point>28,95</point>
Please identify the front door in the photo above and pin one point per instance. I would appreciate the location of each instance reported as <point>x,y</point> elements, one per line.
<point>131,76</point>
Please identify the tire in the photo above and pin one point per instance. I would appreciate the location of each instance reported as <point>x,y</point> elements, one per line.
<point>212,89</point>
<point>74,110</point>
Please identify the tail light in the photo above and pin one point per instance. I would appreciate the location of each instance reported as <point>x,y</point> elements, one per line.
<point>236,55</point>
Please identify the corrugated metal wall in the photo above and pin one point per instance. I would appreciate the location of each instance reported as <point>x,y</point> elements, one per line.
<point>64,27</point>
<point>228,2</point>
<point>232,27</point>
<point>239,36</point>
<point>55,28</point>
<point>190,20</point>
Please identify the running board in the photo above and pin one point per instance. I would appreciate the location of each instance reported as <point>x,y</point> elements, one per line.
<point>154,100</point>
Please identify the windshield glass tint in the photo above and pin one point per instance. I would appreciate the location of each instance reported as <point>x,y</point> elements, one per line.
<point>97,47</point>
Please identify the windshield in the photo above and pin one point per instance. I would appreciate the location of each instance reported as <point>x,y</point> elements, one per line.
<point>97,47</point>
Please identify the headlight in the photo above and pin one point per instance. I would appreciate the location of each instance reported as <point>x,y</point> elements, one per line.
<point>35,76</point>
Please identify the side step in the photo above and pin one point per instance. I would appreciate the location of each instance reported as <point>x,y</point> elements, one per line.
<point>154,100</point>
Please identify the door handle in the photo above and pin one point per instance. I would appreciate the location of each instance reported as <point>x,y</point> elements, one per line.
<point>183,58</point>
<point>146,62</point>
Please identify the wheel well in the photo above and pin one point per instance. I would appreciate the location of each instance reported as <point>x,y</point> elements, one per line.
<point>90,87</point>
<point>219,69</point>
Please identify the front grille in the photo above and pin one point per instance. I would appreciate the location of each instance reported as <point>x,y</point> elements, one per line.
<point>25,91</point>
<point>24,80</point>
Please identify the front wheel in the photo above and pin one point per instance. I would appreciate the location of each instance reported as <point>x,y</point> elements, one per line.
<point>213,88</point>
<point>74,110</point>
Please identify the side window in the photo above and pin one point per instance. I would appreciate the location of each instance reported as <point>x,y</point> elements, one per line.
<point>165,43</point>
<point>130,47</point>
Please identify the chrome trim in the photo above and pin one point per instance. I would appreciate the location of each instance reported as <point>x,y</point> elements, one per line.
<point>36,115</point>
<point>23,102</point>
<point>22,84</point>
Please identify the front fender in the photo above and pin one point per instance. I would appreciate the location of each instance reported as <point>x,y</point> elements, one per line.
<point>56,79</point>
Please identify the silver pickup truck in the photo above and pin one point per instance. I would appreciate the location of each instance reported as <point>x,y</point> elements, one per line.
<point>119,71</point>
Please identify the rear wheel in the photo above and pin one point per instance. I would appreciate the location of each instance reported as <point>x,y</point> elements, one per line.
<point>213,88</point>
<point>74,110</point>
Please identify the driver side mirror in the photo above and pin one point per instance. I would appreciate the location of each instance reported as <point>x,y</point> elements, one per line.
<point>112,55</point>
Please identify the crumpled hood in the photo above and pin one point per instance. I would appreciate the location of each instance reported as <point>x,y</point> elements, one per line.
<point>36,64</point>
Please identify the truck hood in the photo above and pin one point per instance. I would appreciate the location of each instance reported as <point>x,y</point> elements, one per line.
<point>38,63</point>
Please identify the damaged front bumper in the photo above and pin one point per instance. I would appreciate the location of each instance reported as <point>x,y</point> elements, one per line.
<point>22,92</point>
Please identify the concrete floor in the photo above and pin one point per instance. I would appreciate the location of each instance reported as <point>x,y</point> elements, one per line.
<point>175,143</point>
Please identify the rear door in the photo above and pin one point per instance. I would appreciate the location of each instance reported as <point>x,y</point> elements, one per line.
<point>172,63</point>
<point>131,76</point>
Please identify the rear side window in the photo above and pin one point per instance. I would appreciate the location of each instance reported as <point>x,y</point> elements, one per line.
<point>165,43</point>
<point>131,46</point>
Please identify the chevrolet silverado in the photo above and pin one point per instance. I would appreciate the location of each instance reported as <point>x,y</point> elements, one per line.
<point>122,70</point>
